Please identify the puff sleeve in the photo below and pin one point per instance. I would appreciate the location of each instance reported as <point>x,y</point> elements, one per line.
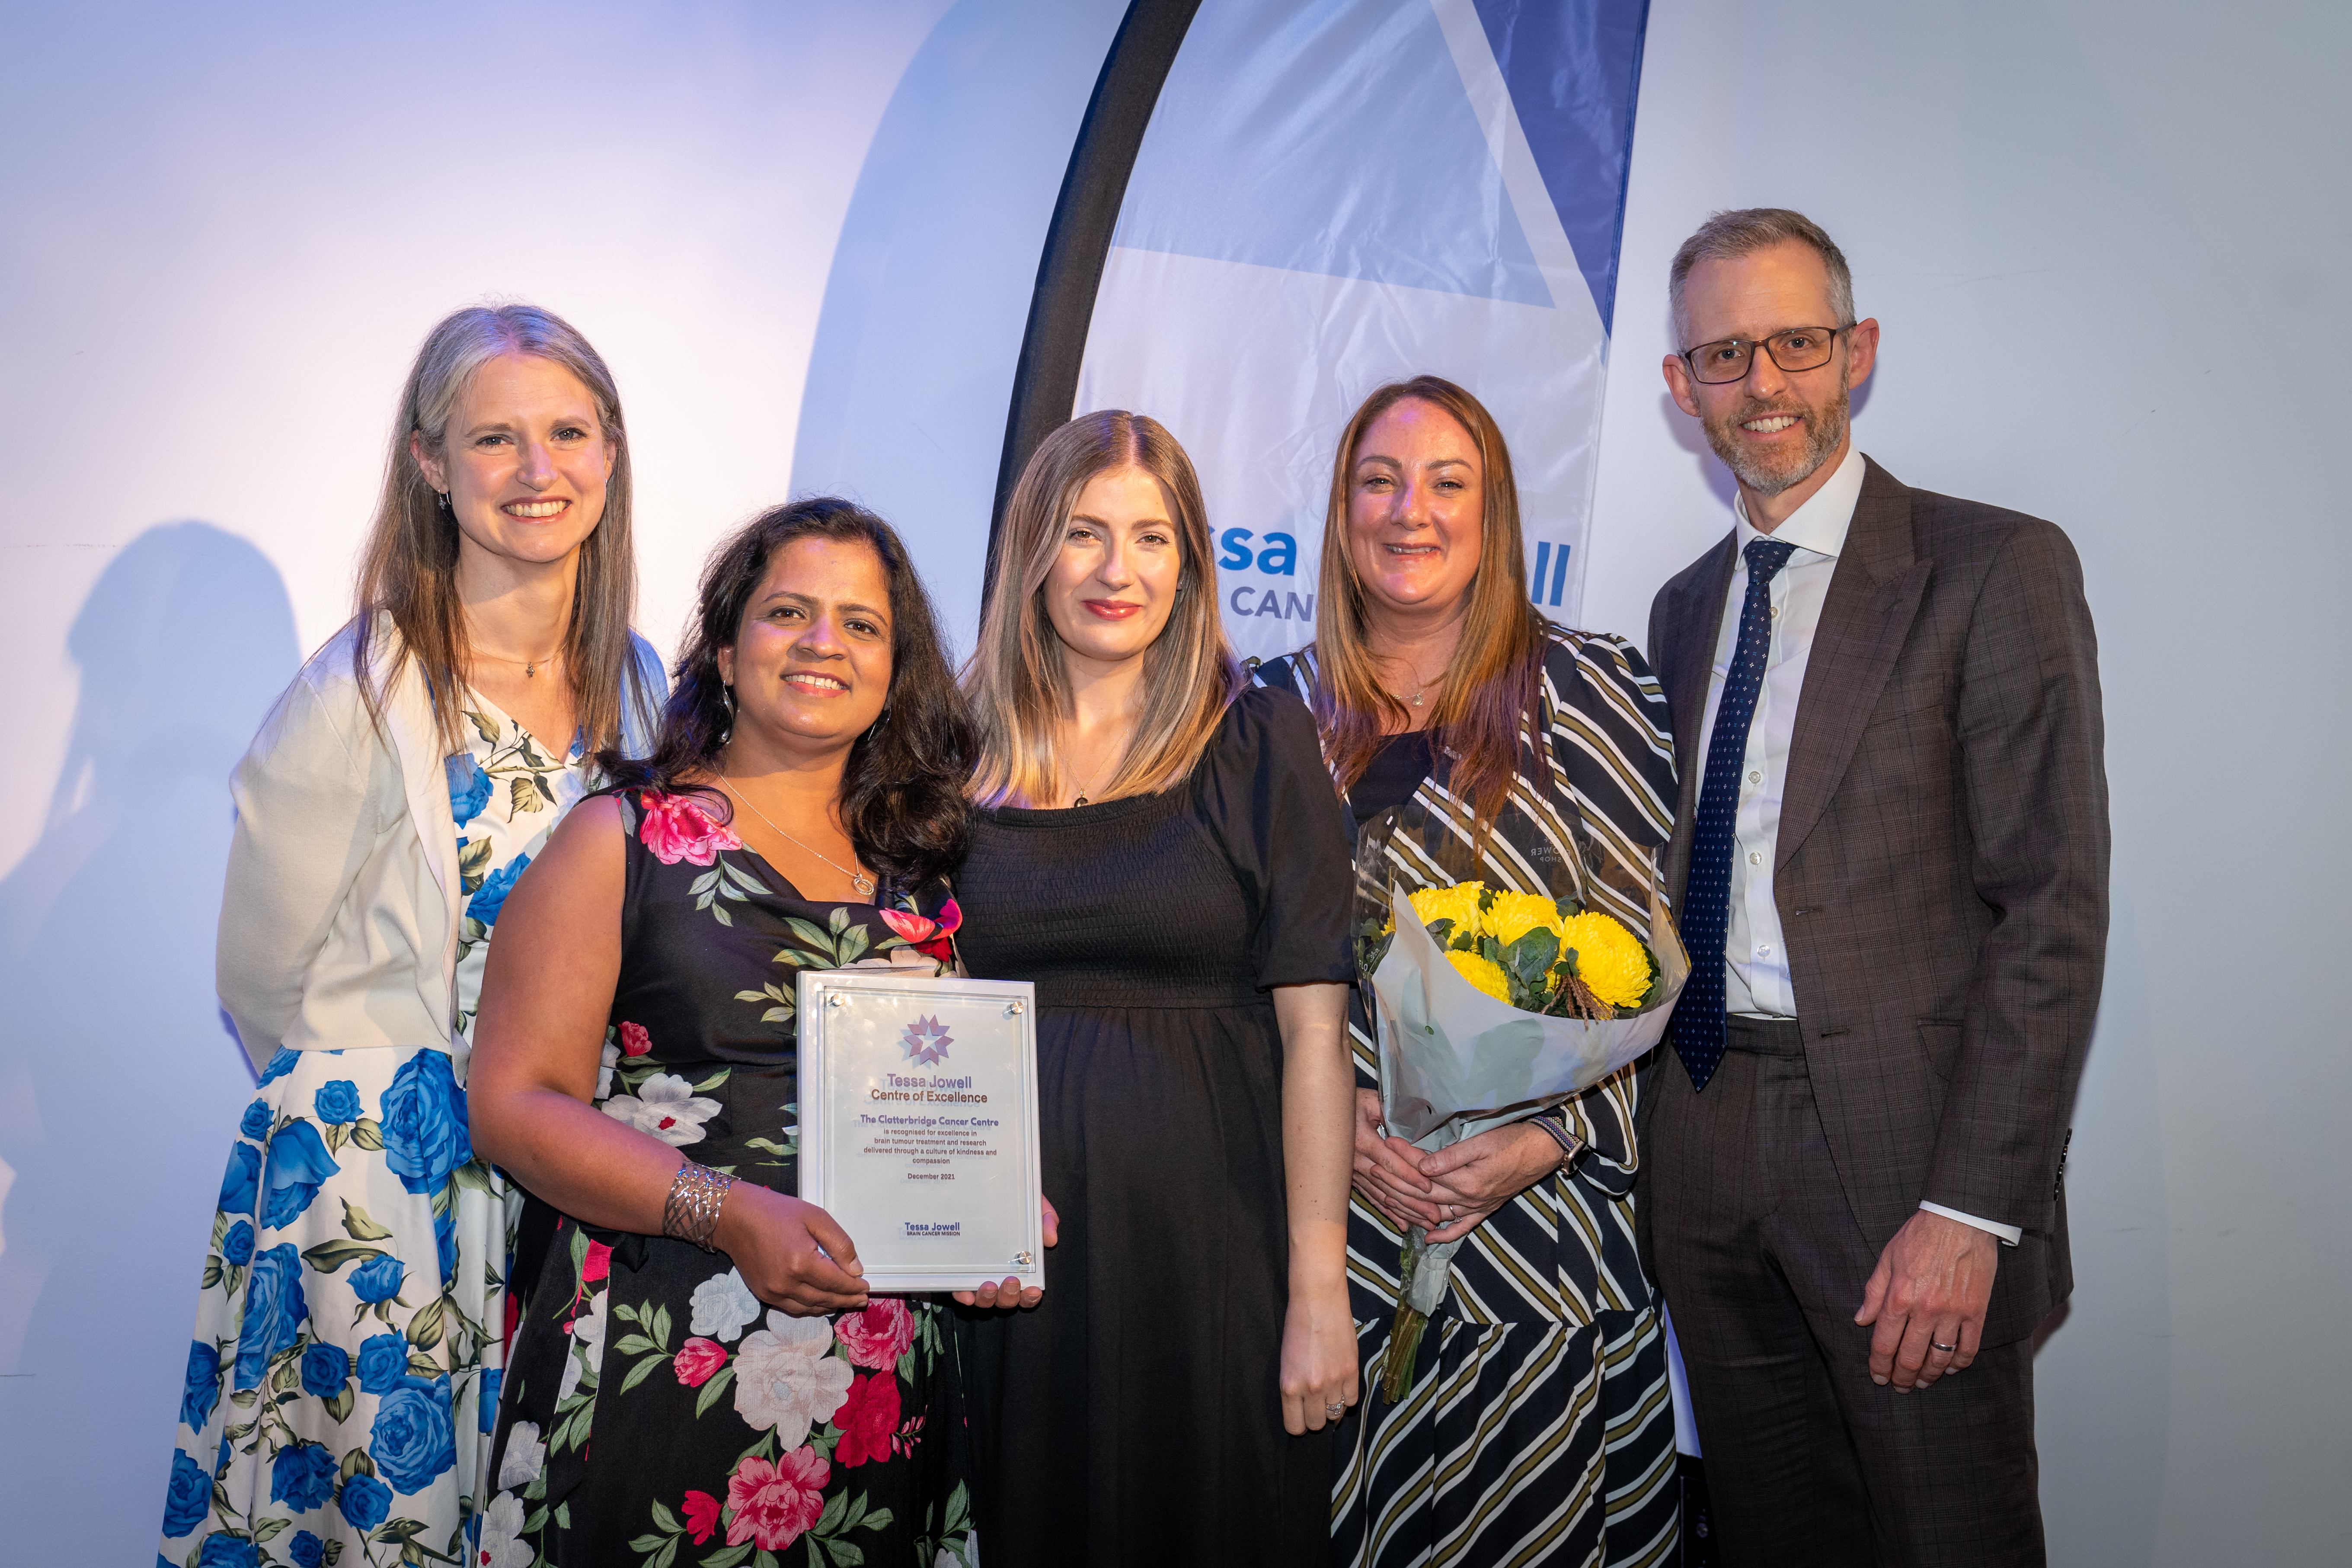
<point>1265,795</point>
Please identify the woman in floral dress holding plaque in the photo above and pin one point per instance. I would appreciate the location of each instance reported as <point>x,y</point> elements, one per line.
<point>350,1330</point>
<point>700,1376</point>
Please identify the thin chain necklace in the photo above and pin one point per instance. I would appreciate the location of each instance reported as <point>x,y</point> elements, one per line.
<point>858,879</point>
<point>1420,692</point>
<point>529,666</point>
<point>1082,796</point>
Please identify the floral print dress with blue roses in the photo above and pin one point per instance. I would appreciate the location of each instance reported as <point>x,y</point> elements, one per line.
<point>343,1377</point>
<point>656,1414</point>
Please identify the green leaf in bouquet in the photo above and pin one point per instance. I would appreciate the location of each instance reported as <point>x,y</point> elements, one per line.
<point>1527,962</point>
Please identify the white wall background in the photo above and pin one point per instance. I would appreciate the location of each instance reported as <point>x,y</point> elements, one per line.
<point>2106,241</point>
<point>223,232</point>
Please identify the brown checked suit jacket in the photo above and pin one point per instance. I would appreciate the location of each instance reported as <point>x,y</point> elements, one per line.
<point>1941,873</point>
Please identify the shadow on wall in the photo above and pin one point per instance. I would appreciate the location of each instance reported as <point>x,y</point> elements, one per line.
<point>119,1080</point>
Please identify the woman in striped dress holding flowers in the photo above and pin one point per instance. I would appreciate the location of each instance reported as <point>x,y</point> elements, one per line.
<point>1537,1427</point>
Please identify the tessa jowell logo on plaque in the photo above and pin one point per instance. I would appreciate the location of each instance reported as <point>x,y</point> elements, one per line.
<point>926,1044</point>
<point>929,1164</point>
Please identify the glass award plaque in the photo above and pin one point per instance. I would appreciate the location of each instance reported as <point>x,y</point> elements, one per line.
<point>918,1125</point>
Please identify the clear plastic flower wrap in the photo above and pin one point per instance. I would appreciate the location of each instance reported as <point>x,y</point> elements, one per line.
<point>1491,1005</point>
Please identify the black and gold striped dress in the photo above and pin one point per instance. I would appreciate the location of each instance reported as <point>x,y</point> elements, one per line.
<point>1539,1428</point>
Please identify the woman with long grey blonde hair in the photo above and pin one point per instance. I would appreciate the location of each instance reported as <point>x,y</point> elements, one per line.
<point>351,1328</point>
<point>1155,846</point>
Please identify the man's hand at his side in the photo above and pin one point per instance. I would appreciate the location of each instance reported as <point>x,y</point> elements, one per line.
<point>1928,1290</point>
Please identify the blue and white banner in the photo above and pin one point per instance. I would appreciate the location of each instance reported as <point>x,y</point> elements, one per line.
<point>1333,196</point>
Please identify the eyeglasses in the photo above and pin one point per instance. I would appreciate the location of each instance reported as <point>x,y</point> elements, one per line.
<point>1729,359</point>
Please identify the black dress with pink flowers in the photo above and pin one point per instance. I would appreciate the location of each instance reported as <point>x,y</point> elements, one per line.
<point>655,1412</point>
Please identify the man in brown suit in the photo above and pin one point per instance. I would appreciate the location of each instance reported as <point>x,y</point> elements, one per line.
<point>1890,863</point>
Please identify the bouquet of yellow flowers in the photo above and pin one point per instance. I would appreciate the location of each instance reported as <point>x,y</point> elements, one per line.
<point>1537,954</point>
<point>1491,1006</point>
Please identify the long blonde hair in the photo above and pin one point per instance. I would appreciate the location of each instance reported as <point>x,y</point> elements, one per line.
<point>408,566</point>
<point>1491,682</point>
<point>1015,681</point>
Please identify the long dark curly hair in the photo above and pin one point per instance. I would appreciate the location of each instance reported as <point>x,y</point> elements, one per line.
<point>902,789</point>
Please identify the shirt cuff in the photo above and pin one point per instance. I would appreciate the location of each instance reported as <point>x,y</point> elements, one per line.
<point>2010,1235</point>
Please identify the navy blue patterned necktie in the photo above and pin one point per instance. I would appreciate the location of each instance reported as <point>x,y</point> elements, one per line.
<point>1707,899</point>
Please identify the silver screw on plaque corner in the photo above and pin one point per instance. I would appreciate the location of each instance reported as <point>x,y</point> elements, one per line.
<point>1013,1010</point>
<point>836,999</point>
<point>1020,1260</point>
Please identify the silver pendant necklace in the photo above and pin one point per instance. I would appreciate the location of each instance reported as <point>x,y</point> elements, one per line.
<point>858,878</point>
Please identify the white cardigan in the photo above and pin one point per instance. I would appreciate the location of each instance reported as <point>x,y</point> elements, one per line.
<point>338,924</point>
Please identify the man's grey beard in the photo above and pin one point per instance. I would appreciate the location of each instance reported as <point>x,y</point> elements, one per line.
<point>1824,430</point>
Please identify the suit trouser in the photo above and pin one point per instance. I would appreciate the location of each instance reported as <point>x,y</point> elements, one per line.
<point>1763,1265</point>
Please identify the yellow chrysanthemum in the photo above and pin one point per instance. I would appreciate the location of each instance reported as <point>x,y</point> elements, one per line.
<point>1513,915</point>
<point>1458,903</point>
<point>1610,960</point>
<point>1483,973</point>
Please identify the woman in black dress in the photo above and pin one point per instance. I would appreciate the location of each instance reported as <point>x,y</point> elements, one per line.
<point>634,1067</point>
<point>1156,849</point>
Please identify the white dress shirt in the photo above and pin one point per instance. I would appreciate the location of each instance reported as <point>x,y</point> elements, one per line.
<point>1756,982</point>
